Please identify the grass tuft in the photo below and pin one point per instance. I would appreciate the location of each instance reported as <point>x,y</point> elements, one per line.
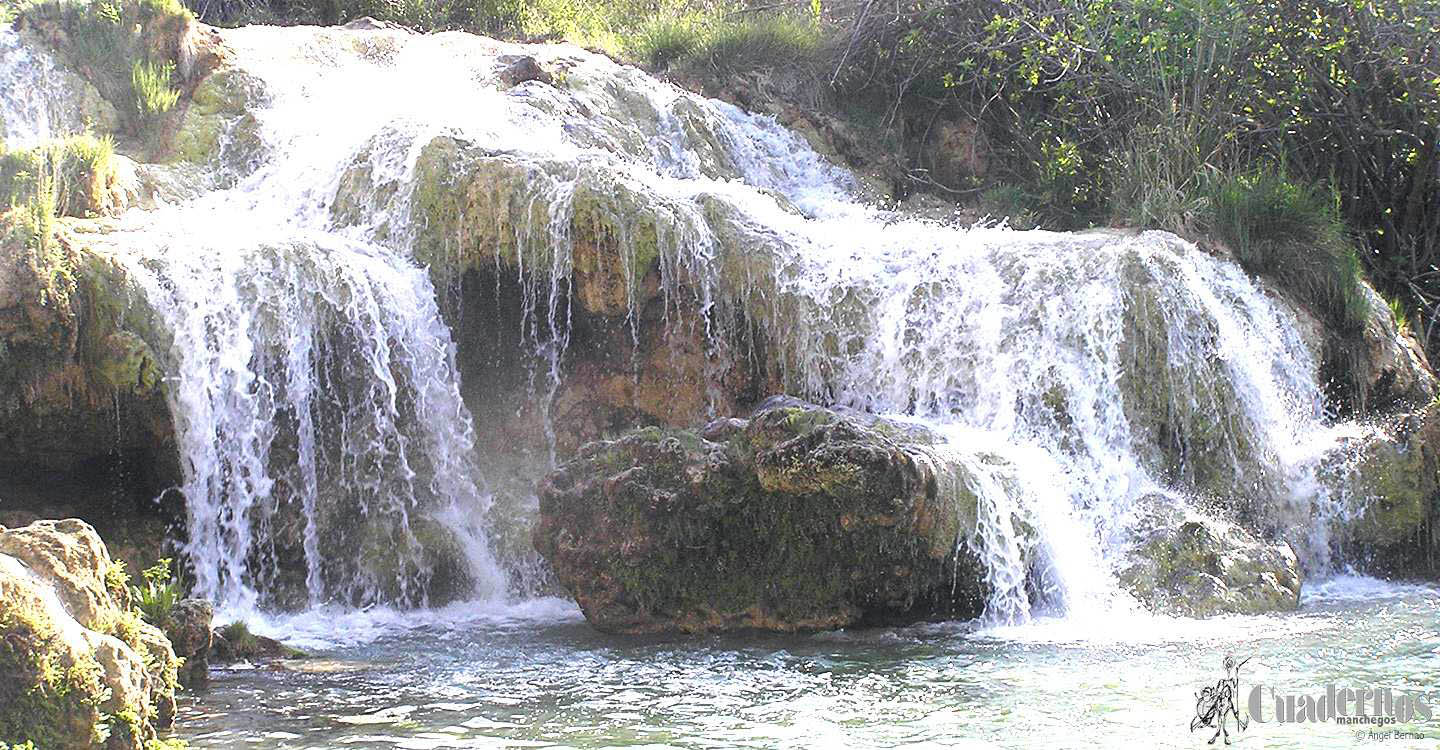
<point>150,83</point>
<point>764,41</point>
<point>1292,232</point>
<point>665,41</point>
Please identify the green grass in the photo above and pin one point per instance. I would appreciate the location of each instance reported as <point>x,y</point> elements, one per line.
<point>1158,179</point>
<point>764,41</point>
<point>150,82</point>
<point>67,175</point>
<point>1400,314</point>
<point>1291,232</point>
<point>664,41</point>
<point>112,42</point>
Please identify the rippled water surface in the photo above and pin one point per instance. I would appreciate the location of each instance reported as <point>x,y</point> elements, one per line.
<point>538,676</point>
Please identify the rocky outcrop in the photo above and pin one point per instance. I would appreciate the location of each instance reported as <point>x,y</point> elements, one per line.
<point>78,668</point>
<point>799,518</point>
<point>1182,562</point>
<point>1388,365</point>
<point>235,643</point>
<point>84,426</point>
<point>1391,475</point>
<point>188,628</point>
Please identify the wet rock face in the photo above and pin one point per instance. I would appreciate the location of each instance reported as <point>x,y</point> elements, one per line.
<point>188,628</point>
<point>84,427</point>
<point>521,68</point>
<point>73,656</point>
<point>1184,563</point>
<point>799,518</point>
<point>1392,475</point>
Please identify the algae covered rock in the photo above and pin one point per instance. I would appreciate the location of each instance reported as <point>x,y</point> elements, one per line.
<point>800,518</point>
<point>1391,475</point>
<point>1185,563</point>
<point>78,668</point>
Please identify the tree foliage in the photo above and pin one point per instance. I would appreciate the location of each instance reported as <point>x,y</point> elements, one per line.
<point>1076,95</point>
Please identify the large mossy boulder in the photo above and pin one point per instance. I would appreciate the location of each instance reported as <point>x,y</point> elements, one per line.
<point>1182,562</point>
<point>1390,477</point>
<point>800,518</point>
<point>78,667</point>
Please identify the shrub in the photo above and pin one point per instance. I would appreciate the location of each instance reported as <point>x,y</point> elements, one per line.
<point>1011,203</point>
<point>159,595</point>
<point>1074,97</point>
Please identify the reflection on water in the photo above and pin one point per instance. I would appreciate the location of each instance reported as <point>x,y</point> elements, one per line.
<point>537,676</point>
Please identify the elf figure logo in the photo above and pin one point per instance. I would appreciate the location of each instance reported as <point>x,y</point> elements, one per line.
<point>1216,704</point>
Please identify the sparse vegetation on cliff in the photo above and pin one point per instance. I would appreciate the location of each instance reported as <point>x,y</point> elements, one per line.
<point>127,48</point>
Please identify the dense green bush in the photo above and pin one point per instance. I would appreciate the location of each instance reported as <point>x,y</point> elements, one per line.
<point>1130,110</point>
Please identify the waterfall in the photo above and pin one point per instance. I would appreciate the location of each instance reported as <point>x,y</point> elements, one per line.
<point>39,99</point>
<point>316,396</point>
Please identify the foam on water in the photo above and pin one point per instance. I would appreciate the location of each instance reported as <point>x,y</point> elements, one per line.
<point>332,627</point>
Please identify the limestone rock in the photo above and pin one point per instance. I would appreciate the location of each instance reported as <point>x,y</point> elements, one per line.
<point>1393,370</point>
<point>1185,563</point>
<point>806,519</point>
<point>188,628</point>
<point>78,668</point>
<point>1391,476</point>
<point>521,68</point>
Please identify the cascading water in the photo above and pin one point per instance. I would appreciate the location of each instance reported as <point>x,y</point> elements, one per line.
<point>39,99</point>
<point>314,383</point>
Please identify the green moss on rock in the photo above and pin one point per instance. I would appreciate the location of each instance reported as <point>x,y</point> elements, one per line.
<point>1182,562</point>
<point>803,519</point>
<point>77,668</point>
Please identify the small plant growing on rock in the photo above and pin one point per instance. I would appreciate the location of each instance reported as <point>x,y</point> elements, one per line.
<point>159,594</point>
<point>154,96</point>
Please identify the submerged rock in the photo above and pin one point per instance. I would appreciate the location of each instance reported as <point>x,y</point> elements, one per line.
<point>803,519</point>
<point>78,668</point>
<point>1185,563</point>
